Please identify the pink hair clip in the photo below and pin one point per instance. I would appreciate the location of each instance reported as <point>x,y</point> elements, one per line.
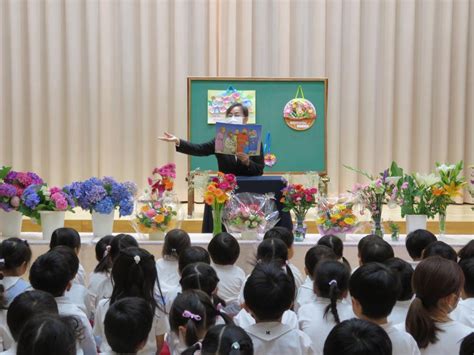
<point>190,315</point>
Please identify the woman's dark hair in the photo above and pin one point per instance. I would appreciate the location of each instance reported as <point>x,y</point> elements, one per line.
<point>15,252</point>
<point>467,251</point>
<point>71,257</point>
<point>357,337</point>
<point>376,288</point>
<point>467,266</point>
<point>224,249</point>
<point>335,243</point>
<point>315,255</point>
<point>27,305</point>
<point>118,243</point>
<point>101,250</point>
<point>194,310</point>
<point>376,250</point>
<point>134,275</point>
<point>274,250</point>
<point>49,334</point>
<point>224,340</point>
<point>51,273</point>
<point>417,241</point>
<point>282,233</point>
<point>331,280</point>
<point>245,110</point>
<point>191,255</point>
<point>442,249</point>
<point>467,345</point>
<point>434,278</point>
<point>404,271</point>
<point>127,324</point>
<point>65,236</point>
<point>269,292</point>
<point>176,240</point>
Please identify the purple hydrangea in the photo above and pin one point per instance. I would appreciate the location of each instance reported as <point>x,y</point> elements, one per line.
<point>30,196</point>
<point>7,190</point>
<point>104,206</point>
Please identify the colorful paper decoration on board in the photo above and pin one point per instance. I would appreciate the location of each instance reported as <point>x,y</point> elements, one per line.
<point>218,101</point>
<point>299,113</point>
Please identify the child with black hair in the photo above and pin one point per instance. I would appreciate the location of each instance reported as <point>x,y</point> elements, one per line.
<point>192,314</point>
<point>416,242</point>
<point>437,283</point>
<point>51,273</point>
<point>269,292</point>
<point>467,345</point>
<point>314,255</point>
<point>376,250</point>
<point>27,305</point>
<point>362,242</point>
<point>99,275</point>
<point>286,236</point>
<point>331,284</point>
<point>467,251</point>
<point>176,240</point>
<point>224,250</point>
<point>16,254</point>
<point>374,290</point>
<point>464,312</point>
<point>404,271</point>
<point>336,244</point>
<point>357,337</point>
<point>442,249</point>
<point>134,275</point>
<point>127,325</point>
<point>49,334</point>
<point>69,237</point>
<point>224,340</point>
<point>202,276</point>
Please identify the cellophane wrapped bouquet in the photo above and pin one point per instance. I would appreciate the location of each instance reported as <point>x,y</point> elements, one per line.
<point>336,215</point>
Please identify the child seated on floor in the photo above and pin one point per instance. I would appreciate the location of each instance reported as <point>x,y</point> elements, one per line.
<point>336,244</point>
<point>442,249</point>
<point>416,242</point>
<point>464,312</point>
<point>405,273</point>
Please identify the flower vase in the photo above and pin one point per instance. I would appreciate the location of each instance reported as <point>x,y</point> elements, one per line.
<point>395,236</point>
<point>415,221</point>
<point>10,223</point>
<point>377,226</point>
<point>102,224</point>
<point>156,235</point>
<point>50,221</point>
<point>217,219</point>
<point>442,223</point>
<point>299,231</point>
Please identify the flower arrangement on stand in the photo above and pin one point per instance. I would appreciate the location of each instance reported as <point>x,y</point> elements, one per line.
<point>337,217</point>
<point>217,193</point>
<point>299,199</point>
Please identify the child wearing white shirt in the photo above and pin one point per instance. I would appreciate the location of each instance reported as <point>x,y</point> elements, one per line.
<point>51,272</point>
<point>464,312</point>
<point>336,244</point>
<point>416,242</point>
<point>318,318</point>
<point>224,251</point>
<point>268,293</point>
<point>374,289</point>
<point>134,275</point>
<point>102,269</point>
<point>176,240</point>
<point>404,271</point>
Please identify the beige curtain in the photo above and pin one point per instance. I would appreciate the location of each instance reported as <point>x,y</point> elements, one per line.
<point>86,86</point>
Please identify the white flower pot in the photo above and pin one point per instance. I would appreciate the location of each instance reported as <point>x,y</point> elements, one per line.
<point>157,235</point>
<point>102,224</point>
<point>10,223</point>
<point>415,221</point>
<point>50,221</point>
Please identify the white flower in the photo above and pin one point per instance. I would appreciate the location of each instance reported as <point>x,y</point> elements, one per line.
<point>45,191</point>
<point>445,168</point>
<point>426,180</point>
<point>392,180</point>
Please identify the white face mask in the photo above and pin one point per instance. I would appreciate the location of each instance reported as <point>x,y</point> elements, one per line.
<point>232,120</point>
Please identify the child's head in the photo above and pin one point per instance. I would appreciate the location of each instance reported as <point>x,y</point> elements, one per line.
<point>199,276</point>
<point>134,275</point>
<point>272,250</point>
<point>50,335</point>
<point>72,259</point>
<point>224,249</point>
<point>102,248</point>
<point>285,235</point>
<point>467,266</point>
<point>191,255</point>
<point>363,241</point>
<point>376,250</point>
<point>227,340</point>
<point>51,273</point>
<point>315,255</point>
<point>118,243</point>
<point>16,254</point>
<point>417,241</point>
<point>442,249</point>
<point>331,280</point>
<point>26,306</point>
<point>192,314</point>
<point>127,324</point>
<point>374,290</point>
<point>437,283</point>
<point>66,236</point>
<point>176,240</point>
<point>268,292</point>
<point>467,345</point>
<point>404,271</point>
<point>467,251</point>
<point>333,242</point>
<point>357,337</point>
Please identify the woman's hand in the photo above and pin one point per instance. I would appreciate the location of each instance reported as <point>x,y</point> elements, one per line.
<point>168,137</point>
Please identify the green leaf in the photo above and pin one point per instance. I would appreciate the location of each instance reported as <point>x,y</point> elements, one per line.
<point>370,177</point>
<point>4,171</point>
<point>395,170</point>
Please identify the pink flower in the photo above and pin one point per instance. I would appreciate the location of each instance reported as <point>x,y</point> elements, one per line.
<point>59,201</point>
<point>224,185</point>
<point>404,185</point>
<point>309,198</point>
<point>150,213</point>
<point>54,190</point>
<point>15,201</point>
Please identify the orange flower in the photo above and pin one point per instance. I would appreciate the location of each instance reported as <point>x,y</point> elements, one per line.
<point>159,218</point>
<point>211,188</point>
<point>218,192</point>
<point>282,200</point>
<point>168,184</point>
<point>209,199</point>
<point>452,189</point>
<point>438,191</point>
<point>145,208</point>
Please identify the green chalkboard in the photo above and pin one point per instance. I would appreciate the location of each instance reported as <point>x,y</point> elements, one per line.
<point>296,151</point>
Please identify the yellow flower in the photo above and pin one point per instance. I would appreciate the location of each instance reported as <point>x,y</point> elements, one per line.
<point>159,218</point>
<point>320,220</point>
<point>340,207</point>
<point>453,190</point>
<point>222,198</point>
<point>336,216</point>
<point>349,220</point>
<point>145,208</point>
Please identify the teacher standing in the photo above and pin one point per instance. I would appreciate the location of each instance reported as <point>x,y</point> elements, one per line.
<point>240,164</point>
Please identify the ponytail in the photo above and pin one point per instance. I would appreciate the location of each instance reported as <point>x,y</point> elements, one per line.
<point>334,294</point>
<point>192,331</point>
<point>420,324</point>
<point>192,349</point>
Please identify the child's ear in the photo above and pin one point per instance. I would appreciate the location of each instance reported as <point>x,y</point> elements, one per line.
<point>182,331</point>
<point>69,285</point>
<point>356,307</point>
<point>306,271</point>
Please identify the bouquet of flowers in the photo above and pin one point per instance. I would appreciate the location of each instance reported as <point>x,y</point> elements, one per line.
<point>12,185</point>
<point>38,198</point>
<point>250,212</point>
<point>156,215</point>
<point>450,185</point>
<point>162,180</point>
<point>104,195</point>
<point>336,216</point>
